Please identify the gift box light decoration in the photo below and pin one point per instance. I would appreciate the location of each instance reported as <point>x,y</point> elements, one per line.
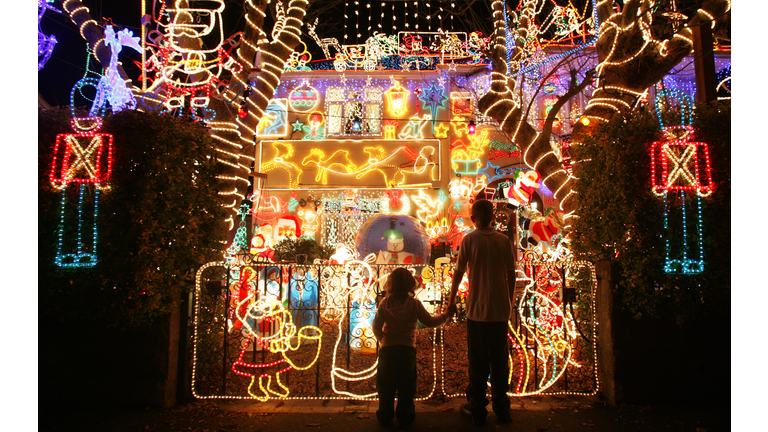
<point>681,167</point>
<point>81,168</point>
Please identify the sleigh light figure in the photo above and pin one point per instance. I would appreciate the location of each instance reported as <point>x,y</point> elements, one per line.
<point>681,167</point>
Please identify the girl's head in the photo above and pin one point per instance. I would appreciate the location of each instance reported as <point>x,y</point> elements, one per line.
<point>400,283</point>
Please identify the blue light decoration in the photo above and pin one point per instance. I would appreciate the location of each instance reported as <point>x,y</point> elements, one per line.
<point>81,167</point>
<point>523,69</point>
<point>45,43</point>
<point>433,98</point>
<point>690,173</point>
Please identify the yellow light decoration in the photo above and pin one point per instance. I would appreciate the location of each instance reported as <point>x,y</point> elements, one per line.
<point>435,229</point>
<point>390,128</point>
<point>339,158</point>
<point>428,208</point>
<point>281,161</point>
<point>441,131</point>
<point>397,99</point>
<point>267,309</point>
<point>421,164</point>
<point>460,126</point>
<point>414,128</point>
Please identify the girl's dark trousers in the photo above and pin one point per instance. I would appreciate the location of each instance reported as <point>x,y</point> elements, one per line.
<point>396,374</point>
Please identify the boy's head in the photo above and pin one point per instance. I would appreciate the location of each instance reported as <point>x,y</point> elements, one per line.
<point>482,213</point>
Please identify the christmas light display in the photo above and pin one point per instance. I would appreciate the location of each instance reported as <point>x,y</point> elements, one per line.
<point>465,159</point>
<point>563,22</point>
<point>118,93</point>
<point>188,72</point>
<point>414,128</point>
<point>303,98</point>
<point>397,99</point>
<point>82,165</point>
<point>433,98</point>
<point>685,167</point>
<point>285,340</point>
<point>428,208</point>
<point>274,122</point>
<point>45,43</point>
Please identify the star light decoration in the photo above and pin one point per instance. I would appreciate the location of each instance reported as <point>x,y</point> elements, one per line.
<point>433,98</point>
<point>441,131</point>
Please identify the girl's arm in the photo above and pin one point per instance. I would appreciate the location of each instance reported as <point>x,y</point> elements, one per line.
<point>378,322</point>
<point>428,320</point>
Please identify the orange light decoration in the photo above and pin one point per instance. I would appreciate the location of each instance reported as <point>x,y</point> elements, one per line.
<point>397,99</point>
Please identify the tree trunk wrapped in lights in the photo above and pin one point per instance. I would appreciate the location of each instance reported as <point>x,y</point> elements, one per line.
<point>238,137</point>
<point>630,61</point>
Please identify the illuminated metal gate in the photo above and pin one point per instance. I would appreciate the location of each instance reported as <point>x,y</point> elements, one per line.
<point>266,331</point>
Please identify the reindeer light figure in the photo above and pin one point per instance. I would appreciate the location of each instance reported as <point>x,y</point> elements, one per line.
<point>118,93</point>
<point>325,42</point>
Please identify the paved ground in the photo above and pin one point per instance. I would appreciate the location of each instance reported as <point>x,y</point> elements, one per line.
<point>537,414</point>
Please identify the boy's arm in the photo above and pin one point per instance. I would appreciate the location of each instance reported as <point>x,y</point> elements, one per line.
<point>457,276</point>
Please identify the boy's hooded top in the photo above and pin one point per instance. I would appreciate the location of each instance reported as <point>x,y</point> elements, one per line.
<point>395,322</point>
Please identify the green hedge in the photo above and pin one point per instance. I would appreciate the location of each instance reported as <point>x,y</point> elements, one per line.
<point>619,219</point>
<point>157,224</point>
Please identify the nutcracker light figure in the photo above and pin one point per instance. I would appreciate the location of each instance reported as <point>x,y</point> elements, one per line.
<point>81,167</point>
<point>681,175</point>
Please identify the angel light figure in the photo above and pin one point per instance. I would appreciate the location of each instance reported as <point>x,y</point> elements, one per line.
<point>117,91</point>
<point>45,43</point>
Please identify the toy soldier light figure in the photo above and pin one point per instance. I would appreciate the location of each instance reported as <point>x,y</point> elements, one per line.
<point>680,166</point>
<point>82,164</point>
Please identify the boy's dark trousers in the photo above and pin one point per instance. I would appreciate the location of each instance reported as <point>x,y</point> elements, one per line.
<point>487,346</point>
<point>396,373</point>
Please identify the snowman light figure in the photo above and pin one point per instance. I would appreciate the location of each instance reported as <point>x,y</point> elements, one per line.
<point>395,245</point>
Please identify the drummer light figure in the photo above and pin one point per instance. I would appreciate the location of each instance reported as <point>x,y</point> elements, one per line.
<point>679,167</point>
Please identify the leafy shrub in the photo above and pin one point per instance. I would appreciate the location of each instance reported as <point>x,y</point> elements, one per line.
<point>157,224</point>
<point>619,218</point>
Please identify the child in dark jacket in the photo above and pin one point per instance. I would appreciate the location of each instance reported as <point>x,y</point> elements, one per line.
<point>395,328</point>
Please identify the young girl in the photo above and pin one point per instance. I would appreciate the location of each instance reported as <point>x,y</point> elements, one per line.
<point>395,328</point>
